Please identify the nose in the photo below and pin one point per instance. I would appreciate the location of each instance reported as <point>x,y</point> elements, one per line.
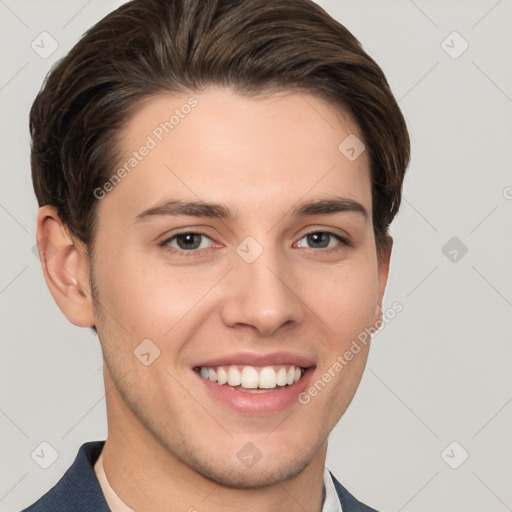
<point>261,295</point>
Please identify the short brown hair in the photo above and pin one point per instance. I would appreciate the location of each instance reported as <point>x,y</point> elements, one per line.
<point>149,47</point>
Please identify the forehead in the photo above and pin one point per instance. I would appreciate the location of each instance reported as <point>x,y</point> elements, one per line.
<point>221,146</point>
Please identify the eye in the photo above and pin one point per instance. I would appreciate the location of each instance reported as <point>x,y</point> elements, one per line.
<point>322,240</point>
<point>187,242</point>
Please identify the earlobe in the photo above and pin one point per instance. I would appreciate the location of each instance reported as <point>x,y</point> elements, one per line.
<point>65,268</point>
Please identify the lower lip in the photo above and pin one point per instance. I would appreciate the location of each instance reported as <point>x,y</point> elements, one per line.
<point>261,403</point>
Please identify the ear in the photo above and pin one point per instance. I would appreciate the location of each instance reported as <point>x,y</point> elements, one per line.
<point>383,272</point>
<point>65,267</point>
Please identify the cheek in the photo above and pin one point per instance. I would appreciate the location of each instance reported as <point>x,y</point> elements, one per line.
<point>347,300</point>
<point>148,300</point>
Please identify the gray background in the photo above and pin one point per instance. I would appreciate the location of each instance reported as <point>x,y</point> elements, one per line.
<point>438,373</point>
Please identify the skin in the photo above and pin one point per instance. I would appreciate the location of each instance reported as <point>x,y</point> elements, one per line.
<point>170,446</point>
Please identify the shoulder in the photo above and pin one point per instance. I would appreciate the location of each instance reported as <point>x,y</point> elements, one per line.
<point>348,502</point>
<point>78,489</point>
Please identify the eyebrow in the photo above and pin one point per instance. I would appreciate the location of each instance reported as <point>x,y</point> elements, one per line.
<point>330,206</point>
<point>176,207</point>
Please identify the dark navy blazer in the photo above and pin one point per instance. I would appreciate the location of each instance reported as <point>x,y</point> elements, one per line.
<point>79,490</point>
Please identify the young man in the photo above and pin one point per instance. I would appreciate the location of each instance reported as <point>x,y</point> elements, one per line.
<point>216,181</point>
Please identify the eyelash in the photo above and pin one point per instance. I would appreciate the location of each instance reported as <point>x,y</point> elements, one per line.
<point>182,253</point>
<point>198,252</point>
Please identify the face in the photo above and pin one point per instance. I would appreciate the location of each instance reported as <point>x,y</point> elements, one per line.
<point>234,264</point>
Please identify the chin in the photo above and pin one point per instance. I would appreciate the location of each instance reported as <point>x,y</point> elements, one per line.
<point>230,471</point>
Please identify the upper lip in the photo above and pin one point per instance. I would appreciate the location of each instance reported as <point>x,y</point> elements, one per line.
<point>252,359</point>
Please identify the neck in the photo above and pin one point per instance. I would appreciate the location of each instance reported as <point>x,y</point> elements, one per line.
<point>148,477</point>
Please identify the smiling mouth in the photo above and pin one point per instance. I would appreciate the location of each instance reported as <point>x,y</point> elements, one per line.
<point>253,379</point>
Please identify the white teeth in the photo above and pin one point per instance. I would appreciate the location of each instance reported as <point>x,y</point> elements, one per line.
<point>233,376</point>
<point>267,378</point>
<point>252,377</point>
<point>281,377</point>
<point>222,376</point>
<point>249,378</point>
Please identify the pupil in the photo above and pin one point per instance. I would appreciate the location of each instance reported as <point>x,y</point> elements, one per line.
<point>187,241</point>
<point>319,239</point>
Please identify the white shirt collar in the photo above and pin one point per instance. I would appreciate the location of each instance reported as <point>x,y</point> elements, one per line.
<point>332,501</point>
